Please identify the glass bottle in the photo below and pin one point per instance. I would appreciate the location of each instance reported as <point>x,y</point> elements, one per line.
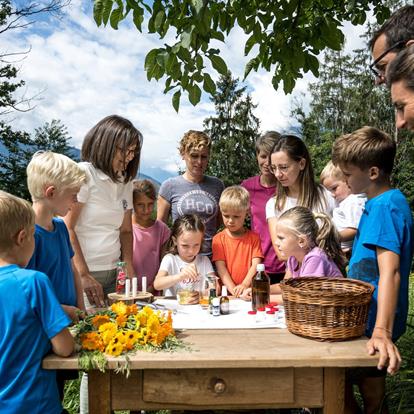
<point>224,302</point>
<point>212,295</point>
<point>260,288</point>
<point>121,275</point>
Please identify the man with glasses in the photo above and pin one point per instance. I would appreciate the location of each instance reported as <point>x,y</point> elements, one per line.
<point>394,35</point>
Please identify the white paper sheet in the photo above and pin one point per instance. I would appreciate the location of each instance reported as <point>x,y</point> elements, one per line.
<point>195,317</point>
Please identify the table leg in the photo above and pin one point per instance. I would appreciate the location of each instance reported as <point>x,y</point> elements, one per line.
<point>99,391</point>
<point>334,390</point>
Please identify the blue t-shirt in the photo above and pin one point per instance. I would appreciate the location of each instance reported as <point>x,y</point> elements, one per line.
<point>386,223</point>
<point>52,256</point>
<point>30,315</point>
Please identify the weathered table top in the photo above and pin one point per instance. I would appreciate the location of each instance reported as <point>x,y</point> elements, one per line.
<point>247,348</point>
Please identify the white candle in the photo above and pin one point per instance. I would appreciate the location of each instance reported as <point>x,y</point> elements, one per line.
<point>127,287</point>
<point>144,283</point>
<point>134,286</point>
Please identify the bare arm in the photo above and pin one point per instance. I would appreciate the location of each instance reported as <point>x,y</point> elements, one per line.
<point>247,281</point>
<point>347,234</point>
<point>163,209</point>
<point>275,288</point>
<point>78,287</point>
<point>63,343</point>
<point>126,240</point>
<point>388,287</point>
<point>163,280</point>
<point>225,275</point>
<point>92,288</point>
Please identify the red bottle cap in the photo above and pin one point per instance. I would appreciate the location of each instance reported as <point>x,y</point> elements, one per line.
<point>252,312</point>
<point>261,309</point>
<point>269,306</point>
<point>273,304</point>
<point>270,312</point>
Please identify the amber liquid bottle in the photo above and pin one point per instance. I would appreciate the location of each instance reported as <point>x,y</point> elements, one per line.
<point>260,288</point>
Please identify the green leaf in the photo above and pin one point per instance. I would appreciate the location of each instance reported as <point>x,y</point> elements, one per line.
<point>186,39</point>
<point>217,35</point>
<point>176,101</point>
<point>150,59</point>
<point>218,64</point>
<point>198,5</point>
<point>251,41</point>
<point>194,94</point>
<point>98,11</point>
<point>116,17</point>
<point>162,58</point>
<point>107,7</point>
<point>159,20</point>
<point>138,18</point>
<point>250,65</point>
<point>209,85</point>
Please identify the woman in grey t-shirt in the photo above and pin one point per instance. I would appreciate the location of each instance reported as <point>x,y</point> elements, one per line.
<point>193,192</point>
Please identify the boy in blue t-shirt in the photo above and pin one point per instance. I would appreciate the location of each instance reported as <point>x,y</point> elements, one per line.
<point>32,322</point>
<point>54,181</point>
<point>382,254</point>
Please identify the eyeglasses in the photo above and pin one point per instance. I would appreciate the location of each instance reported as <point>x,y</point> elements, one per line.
<point>282,168</point>
<point>380,72</point>
<point>128,152</point>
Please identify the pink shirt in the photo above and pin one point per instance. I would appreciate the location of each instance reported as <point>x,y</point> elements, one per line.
<point>315,263</point>
<point>147,250</point>
<point>259,195</point>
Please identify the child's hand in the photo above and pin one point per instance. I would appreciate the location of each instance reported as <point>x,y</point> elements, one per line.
<point>388,352</point>
<point>247,294</point>
<point>189,273</point>
<point>238,290</point>
<point>73,312</point>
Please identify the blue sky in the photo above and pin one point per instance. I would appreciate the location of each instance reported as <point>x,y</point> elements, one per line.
<point>81,73</point>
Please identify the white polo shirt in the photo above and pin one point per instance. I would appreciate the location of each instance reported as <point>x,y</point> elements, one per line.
<point>97,228</point>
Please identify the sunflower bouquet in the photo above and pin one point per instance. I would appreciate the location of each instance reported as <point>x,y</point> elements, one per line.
<point>120,330</point>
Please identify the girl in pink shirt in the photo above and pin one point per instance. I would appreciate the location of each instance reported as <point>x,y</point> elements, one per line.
<point>149,235</point>
<point>310,249</point>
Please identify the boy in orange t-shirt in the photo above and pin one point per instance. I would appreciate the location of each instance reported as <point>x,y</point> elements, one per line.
<point>236,250</point>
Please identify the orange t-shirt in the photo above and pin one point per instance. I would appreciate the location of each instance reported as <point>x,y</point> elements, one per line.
<point>237,252</point>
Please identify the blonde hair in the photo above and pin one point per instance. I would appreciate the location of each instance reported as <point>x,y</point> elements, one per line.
<point>49,168</point>
<point>332,171</point>
<point>188,222</point>
<point>194,140</point>
<point>16,214</point>
<point>303,222</point>
<point>145,187</point>
<point>365,148</point>
<point>267,141</point>
<point>235,198</point>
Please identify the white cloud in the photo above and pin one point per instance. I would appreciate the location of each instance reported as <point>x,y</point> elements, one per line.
<point>85,73</point>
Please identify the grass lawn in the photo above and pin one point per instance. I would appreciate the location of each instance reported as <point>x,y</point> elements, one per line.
<point>400,387</point>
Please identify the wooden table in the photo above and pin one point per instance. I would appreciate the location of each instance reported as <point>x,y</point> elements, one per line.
<point>229,369</point>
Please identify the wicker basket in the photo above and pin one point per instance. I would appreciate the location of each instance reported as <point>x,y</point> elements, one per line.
<point>326,309</point>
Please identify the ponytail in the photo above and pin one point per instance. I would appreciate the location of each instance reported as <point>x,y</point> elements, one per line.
<point>328,240</point>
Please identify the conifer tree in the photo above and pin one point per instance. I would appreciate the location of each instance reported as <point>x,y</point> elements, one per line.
<point>233,130</point>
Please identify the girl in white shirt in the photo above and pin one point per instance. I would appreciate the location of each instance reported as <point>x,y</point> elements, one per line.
<point>183,267</point>
<point>291,164</point>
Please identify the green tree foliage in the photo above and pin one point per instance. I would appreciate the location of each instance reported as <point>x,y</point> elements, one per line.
<point>234,131</point>
<point>17,147</point>
<point>283,36</point>
<point>344,99</point>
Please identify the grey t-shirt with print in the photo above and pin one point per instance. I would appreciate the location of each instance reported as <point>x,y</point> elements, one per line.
<point>201,199</point>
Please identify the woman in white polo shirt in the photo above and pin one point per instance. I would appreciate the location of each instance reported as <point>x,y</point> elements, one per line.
<point>99,223</point>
